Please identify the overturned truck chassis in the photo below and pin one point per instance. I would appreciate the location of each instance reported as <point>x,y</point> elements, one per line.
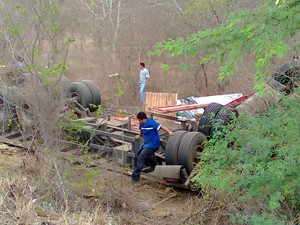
<point>178,155</point>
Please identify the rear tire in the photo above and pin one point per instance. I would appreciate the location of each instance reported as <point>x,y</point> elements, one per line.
<point>25,115</point>
<point>22,79</point>
<point>171,153</point>
<point>65,82</point>
<point>96,97</point>
<point>81,92</point>
<point>205,122</point>
<point>4,112</point>
<point>191,145</point>
<point>224,116</point>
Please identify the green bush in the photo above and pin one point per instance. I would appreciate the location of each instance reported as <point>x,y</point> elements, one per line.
<point>258,157</point>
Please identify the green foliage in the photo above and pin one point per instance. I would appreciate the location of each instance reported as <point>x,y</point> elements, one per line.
<point>37,52</point>
<point>93,4</point>
<point>9,122</point>
<point>212,7</point>
<point>263,219</point>
<point>264,33</point>
<point>88,182</point>
<point>70,40</point>
<point>53,73</point>
<point>17,29</point>
<point>29,26</point>
<point>54,7</point>
<point>119,92</point>
<point>55,27</point>
<point>165,67</point>
<point>122,112</point>
<point>99,111</point>
<point>74,129</point>
<point>258,157</point>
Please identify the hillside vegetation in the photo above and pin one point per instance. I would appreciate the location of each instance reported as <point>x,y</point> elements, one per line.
<point>256,162</point>
<point>249,172</point>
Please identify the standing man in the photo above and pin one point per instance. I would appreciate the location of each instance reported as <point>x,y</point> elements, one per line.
<point>144,81</point>
<point>149,129</point>
<point>20,63</point>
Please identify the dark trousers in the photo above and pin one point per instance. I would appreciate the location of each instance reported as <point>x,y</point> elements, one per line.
<point>145,155</point>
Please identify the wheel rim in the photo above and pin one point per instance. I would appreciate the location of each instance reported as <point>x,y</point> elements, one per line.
<point>198,153</point>
<point>24,115</point>
<point>77,97</point>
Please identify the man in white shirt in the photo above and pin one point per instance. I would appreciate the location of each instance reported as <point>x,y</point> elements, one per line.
<point>20,63</point>
<point>144,81</point>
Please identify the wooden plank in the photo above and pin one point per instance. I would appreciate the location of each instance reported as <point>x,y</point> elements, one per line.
<point>155,99</point>
<point>160,96</point>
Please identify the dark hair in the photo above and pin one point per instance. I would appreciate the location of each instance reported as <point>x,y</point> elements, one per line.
<point>19,59</point>
<point>142,64</point>
<point>141,116</point>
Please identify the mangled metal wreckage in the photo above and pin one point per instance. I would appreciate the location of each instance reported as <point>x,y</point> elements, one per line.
<point>113,136</point>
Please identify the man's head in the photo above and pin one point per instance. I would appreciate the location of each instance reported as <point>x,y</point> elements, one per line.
<point>142,65</point>
<point>142,117</point>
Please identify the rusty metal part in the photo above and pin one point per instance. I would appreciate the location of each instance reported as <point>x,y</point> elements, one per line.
<point>258,104</point>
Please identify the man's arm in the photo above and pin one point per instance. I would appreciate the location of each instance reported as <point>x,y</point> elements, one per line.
<point>147,77</point>
<point>167,130</point>
<point>138,136</point>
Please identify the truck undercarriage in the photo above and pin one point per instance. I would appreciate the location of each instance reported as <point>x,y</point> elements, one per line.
<point>111,135</point>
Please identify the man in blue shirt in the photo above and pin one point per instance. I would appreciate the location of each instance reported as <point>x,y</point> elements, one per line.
<point>149,130</point>
<point>144,81</point>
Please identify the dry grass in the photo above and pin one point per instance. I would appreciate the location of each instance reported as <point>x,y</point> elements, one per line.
<point>39,191</point>
<point>97,216</point>
<point>23,202</point>
<point>17,202</point>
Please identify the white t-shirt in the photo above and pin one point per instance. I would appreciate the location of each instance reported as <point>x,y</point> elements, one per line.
<point>144,75</point>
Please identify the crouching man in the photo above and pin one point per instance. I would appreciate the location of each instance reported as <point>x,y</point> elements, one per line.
<point>149,130</point>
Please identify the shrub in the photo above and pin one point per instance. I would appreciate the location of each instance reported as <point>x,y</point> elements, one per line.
<point>258,158</point>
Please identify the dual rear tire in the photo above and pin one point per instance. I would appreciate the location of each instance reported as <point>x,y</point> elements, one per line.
<point>86,93</point>
<point>215,117</point>
<point>184,148</point>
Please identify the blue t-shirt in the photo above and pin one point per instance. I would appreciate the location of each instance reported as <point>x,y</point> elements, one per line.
<point>150,132</point>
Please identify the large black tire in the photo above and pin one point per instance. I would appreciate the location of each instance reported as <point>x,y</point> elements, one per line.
<point>224,117</point>
<point>12,98</point>
<point>25,115</point>
<point>19,110</point>
<point>18,107</point>
<point>191,144</point>
<point>22,79</point>
<point>65,82</point>
<point>81,92</point>
<point>4,111</point>
<point>205,122</point>
<point>171,153</point>
<point>96,97</point>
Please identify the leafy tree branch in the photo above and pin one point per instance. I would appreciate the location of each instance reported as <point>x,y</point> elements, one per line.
<point>263,34</point>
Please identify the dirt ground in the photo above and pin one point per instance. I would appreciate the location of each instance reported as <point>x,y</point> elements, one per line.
<point>147,202</point>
